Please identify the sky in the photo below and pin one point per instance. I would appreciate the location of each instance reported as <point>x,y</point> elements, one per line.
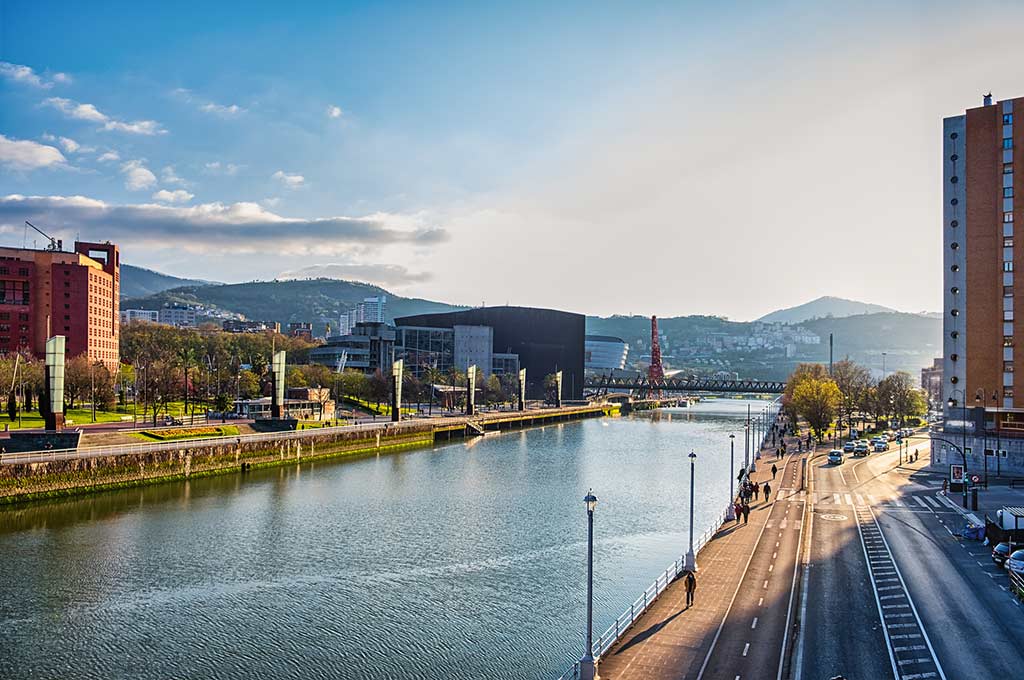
<point>667,158</point>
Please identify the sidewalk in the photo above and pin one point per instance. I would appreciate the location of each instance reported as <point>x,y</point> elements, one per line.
<point>671,641</point>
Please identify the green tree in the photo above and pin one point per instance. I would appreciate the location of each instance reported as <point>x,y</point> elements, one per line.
<point>248,385</point>
<point>852,380</point>
<point>800,374</point>
<point>817,400</point>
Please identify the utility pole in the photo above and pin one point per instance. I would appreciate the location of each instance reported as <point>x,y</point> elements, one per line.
<point>830,348</point>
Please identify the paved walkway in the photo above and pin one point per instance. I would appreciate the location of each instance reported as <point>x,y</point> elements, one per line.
<point>671,641</point>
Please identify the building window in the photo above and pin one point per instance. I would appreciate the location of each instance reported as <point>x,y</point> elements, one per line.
<point>1008,242</point>
<point>954,179</point>
<point>1007,315</point>
<point>1008,216</point>
<point>954,334</point>
<point>23,272</point>
<point>1007,291</point>
<point>954,380</point>
<point>954,290</point>
<point>954,268</point>
<point>1007,192</point>
<point>954,158</point>
<point>1008,367</point>
<point>954,245</point>
<point>1007,142</point>
<point>1007,266</point>
<point>954,357</point>
<point>1007,393</point>
<point>954,224</point>
<point>954,312</point>
<point>1007,341</point>
<point>954,201</point>
<point>1007,119</point>
<point>1007,168</point>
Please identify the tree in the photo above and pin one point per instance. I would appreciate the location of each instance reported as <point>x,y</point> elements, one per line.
<point>12,406</point>
<point>248,385</point>
<point>77,380</point>
<point>817,400</point>
<point>898,397</point>
<point>380,387</point>
<point>800,374</point>
<point>851,379</point>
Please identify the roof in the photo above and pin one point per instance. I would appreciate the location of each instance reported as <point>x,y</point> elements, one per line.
<point>605,338</point>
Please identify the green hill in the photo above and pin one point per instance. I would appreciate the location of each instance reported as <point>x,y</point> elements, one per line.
<point>140,282</point>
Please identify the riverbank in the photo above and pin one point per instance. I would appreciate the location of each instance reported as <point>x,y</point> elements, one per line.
<point>90,470</point>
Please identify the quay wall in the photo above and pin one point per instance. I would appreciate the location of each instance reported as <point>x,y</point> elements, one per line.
<point>86,472</point>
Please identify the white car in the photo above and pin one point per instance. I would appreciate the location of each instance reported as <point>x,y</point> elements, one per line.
<point>881,446</point>
<point>1016,562</point>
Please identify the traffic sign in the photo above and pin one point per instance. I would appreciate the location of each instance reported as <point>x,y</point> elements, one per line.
<point>975,479</point>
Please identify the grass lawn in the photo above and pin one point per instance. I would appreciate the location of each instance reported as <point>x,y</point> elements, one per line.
<point>187,433</point>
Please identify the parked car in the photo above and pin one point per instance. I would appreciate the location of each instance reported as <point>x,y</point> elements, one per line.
<point>1016,562</point>
<point>861,449</point>
<point>848,446</point>
<point>835,456</point>
<point>1001,553</point>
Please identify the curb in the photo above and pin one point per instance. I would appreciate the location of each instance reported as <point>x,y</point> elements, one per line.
<point>969,515</point>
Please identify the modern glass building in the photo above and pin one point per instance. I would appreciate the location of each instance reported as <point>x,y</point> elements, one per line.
<point>605,352</point>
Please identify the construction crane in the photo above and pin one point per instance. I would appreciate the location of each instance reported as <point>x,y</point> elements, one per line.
<point>56,245</point>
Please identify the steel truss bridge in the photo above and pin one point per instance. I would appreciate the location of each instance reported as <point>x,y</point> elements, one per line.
<point>601,382</point>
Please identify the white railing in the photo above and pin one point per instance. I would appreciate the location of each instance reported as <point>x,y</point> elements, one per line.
<point>178,444</point>
<point>624,621</point>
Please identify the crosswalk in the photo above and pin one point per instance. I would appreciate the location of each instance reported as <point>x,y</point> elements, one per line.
<point>925,501</point>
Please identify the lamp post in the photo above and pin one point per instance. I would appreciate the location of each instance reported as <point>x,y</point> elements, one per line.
<point>979,400</point>
<point>755,448</point>
<point>730,513</point>
<point>995,400</point>
<point>690,561</point>
<point>588,667</point>
<point>963,433</point>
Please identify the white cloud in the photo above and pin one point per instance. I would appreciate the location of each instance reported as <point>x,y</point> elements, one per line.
<point>334,111</point>
<point>270,202</point>
<point>224,111</point>
<point>26,76</point>
<point>169,176</point>
<point>290,181</point>
<point>90,113</point>
<point>218,168</point>
<point>176,196</point>
<point>137,176</point>
<point>212,227</point>
<point>69,145</point>
<point>23,154</point>
<point>109,156</point>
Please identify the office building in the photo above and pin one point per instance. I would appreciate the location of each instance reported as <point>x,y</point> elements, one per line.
<point>132,315</point>
<point>242,326</point>
<point>369,348</point>
<point>931,382</point>
<point>301,329</point>
<point>544,341</point>
<point>178,316</point>
<point>605,353</point>
<point>52,292</point>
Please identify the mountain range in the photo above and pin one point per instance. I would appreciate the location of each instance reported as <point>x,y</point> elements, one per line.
<point>824,307</point>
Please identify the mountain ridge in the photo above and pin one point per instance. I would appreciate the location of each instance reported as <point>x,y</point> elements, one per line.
<point>824,307</point>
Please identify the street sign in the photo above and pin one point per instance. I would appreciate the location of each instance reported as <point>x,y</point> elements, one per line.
<point>956,472</point>
<point>975,479</point>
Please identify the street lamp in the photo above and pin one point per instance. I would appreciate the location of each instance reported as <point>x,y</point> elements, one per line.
<point>995,400</point>
<point>730,513</point>
<point>755,448</point>
<point>979,400</point>
<point>588,667</point>
<point>690,561</point>
<point>963,433</point>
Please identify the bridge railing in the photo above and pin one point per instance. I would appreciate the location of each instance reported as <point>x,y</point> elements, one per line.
<point>625,621</point>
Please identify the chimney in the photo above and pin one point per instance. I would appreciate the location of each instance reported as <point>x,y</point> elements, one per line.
<point>988,99</point>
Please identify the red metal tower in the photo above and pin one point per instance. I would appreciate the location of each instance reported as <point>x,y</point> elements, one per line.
<point>655,372</point>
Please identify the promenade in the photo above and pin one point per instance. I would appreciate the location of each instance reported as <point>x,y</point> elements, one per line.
<point>744,582</point>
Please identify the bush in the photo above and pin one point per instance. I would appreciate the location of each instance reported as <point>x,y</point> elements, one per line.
<point>191,433</point>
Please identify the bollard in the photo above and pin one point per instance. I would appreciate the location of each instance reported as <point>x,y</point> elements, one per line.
<point>974,498</point>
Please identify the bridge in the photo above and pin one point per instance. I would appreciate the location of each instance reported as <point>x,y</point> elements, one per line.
<point>602,382</point>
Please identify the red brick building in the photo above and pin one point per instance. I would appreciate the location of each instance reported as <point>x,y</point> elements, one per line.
<point>50,292</point>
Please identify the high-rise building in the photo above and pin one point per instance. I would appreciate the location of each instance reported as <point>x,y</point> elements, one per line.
<point>982,162</point>
<point>52,292</point>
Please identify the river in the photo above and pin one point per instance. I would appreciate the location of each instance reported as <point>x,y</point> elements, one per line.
<point>462,561</point>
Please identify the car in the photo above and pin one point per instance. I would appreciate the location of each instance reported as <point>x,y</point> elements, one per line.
<point>884,436</point>
<point>861,449</point>
<point>881,446</point>
<point>1001,553</point>
<point>848,446</point>
<point>835,456</point>
<point>1016,562</point>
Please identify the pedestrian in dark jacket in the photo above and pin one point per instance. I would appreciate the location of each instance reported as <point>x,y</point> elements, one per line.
<point>767,492</point>
<point>691,586</point>
<point>737,511</point>
<point>756,490</point>
<point>746,513</point>
<point>775,470</point>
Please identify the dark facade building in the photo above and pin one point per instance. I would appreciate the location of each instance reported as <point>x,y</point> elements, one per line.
<point>545,341</point>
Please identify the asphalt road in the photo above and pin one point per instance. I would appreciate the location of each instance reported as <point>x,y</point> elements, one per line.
<point>891,591</point>
<point>751,641</point>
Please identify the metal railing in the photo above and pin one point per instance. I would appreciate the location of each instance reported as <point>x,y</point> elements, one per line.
<point>1017,584</point>
<point>178,444</point>
<point>640,606</point>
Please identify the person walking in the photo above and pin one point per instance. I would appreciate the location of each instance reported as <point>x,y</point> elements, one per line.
<point>767,492</point>
<point>737,511</point>
<point>945,486</point>
<point>756,490</point>
<point>746,513</point>
<point>775,470</point>
<point>691,586</point>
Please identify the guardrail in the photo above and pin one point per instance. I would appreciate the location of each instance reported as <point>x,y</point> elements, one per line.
<point>626,620</point>
<point>1015,482</point>
<point>1017,584</point>
<point>126,449</point>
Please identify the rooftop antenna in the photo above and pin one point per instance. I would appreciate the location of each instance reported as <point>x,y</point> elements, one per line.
<point>54,243</point>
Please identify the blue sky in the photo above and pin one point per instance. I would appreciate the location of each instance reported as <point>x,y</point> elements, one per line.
<point>477,152</point>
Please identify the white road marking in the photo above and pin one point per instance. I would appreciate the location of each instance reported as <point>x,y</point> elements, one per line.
<point>746,648</point>
<point>920,502</point>
<point>932,501</point>
<point>849,501</point>
<point>835,498</point>
<point>753,623</point>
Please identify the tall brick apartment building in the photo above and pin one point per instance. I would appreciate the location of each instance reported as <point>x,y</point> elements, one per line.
<point>51,292</point>
<point>983,342</point>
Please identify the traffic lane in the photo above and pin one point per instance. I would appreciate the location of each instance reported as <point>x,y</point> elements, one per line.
<point>842,631</point>
<point>750,644</point>
<point>973,625</point>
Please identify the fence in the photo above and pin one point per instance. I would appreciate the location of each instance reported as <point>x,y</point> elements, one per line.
<point>626,620</point>
<point>1017,584</point>
<point>176,445</point>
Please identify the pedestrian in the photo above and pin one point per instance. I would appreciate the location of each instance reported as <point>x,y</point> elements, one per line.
<point>746,513</point>
<point>767,491</point>
<point>945,486</point>
<point>775,470</point>
<point>757,490</point>
<point>737,511</point>
<point>691,586</point>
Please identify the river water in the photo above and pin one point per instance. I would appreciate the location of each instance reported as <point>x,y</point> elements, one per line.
<point>462,561</point>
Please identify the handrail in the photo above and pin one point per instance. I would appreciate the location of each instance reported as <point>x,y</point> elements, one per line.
<point>624,621</point>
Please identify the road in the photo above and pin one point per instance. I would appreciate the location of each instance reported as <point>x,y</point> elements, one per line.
<point>751,642</point>
<point>890,591</point>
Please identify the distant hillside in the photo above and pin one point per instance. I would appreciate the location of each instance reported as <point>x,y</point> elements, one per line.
<point>140,282</point>
<point>319,301</point>
<point>821,308</point>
